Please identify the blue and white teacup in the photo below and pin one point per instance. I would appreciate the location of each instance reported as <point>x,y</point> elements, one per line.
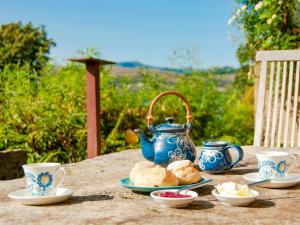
<point>41,178</point>
<point>272,164</point>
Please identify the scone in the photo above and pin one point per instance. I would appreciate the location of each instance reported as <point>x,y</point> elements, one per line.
<point>138,167</point>
<point>184,171</point>
<point>156,176</point>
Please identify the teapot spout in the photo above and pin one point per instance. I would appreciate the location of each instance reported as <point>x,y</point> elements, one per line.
<point>147,146</point>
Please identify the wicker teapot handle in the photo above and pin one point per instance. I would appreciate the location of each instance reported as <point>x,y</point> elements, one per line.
<point>150,117</point>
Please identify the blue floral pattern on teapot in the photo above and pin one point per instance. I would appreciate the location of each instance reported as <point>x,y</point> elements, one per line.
<point>166,147</point>
<point>170,141</point>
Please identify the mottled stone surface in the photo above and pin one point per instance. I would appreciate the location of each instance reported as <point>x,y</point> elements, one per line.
<point>99,199</point>
<point>11,162</point>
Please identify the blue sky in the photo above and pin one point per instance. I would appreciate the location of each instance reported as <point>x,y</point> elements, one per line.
<point>126,30</point>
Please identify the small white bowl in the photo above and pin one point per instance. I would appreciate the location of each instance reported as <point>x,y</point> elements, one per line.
<point>235,201</point>
<point>174,202</point>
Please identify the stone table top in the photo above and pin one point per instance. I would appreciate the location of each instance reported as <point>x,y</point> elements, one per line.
<point>99,199</point>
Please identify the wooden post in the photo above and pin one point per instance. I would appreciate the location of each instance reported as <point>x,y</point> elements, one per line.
<point>93,104</point>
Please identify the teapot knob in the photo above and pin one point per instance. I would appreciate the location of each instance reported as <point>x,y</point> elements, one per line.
<point>170,119</point>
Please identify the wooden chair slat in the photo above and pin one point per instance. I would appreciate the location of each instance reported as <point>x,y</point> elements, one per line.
<point>278,55</point>
<point>295,106</point>
<point>269,109</point>
<point>260,104</point>
<point>297,75</point>
<point>282,100</point>
<point>275,106</point>
<point>288,108</point>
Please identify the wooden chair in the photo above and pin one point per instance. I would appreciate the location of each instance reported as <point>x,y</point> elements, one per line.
<point>277,120</point>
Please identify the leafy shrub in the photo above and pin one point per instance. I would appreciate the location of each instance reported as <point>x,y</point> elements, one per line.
<point>266,25</point>
<point>43,114</point>
<point>46,114</point>
<point>24,44</point>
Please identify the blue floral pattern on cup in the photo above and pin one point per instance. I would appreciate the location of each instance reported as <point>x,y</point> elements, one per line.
<point>41,178</point>
<point>270,169</point>
<point>30,179</point>
<point>281,167</point>
<point>215,157</point>
<point>44,181</point>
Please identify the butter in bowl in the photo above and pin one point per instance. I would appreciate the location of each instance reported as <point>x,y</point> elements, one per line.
<point>231,193</point>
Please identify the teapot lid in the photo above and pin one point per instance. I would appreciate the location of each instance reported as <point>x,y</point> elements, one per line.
<point>170,126</point>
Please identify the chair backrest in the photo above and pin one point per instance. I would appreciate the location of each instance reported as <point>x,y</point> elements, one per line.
<point>277,117</point>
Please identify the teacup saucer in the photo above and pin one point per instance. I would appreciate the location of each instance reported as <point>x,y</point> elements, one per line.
<point>289,180</point>
<point>24,198</point>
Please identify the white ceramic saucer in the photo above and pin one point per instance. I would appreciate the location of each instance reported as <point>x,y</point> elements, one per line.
<point>289,180</point>
<point>24,198</point>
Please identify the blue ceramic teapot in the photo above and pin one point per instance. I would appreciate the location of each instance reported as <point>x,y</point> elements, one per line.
<point>215,157</point>
<point>170,141</point>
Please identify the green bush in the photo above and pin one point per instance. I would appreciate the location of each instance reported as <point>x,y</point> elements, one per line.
<point>266,25</point>
<point>46,114</point>
<point>43,114</point>
<point>24,44</point>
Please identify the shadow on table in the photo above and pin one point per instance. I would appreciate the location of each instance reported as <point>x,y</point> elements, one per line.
<point>90,198</point>
<point>261,204</point>
<point>200,205</point>
<point>296,187</point>
<point>204,190</point>
<point>239,171</point>
<point>85,198</point>
<point>140,193</point>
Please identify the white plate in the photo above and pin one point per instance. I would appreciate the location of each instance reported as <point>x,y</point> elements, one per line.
<point>174,202</point>
<point>24,198</point>
<point>236,201</point>
<point>289,181</point>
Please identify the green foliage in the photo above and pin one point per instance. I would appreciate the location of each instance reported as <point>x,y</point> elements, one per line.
<point>46,114</point>
<point>24,44</point>
<point>266,25</point>
<point>43,115</point>
<point>242,81</point>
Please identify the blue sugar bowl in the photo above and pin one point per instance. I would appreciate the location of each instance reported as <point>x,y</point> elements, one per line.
<point>216,158</point>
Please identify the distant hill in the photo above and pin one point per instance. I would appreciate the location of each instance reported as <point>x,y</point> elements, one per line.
<point>223,76</point>
<point>137,65</point>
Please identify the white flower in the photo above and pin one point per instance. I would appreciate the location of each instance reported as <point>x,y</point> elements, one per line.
<point>238,12</point>
<point>243,8</point>
<point>258,5</point>
<point>231,20</point>
<point>274,16</point>
<point>269,21</point>
<point>249,73</point>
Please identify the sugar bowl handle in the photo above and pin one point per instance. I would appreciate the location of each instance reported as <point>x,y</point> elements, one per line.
<point>150,117</point>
